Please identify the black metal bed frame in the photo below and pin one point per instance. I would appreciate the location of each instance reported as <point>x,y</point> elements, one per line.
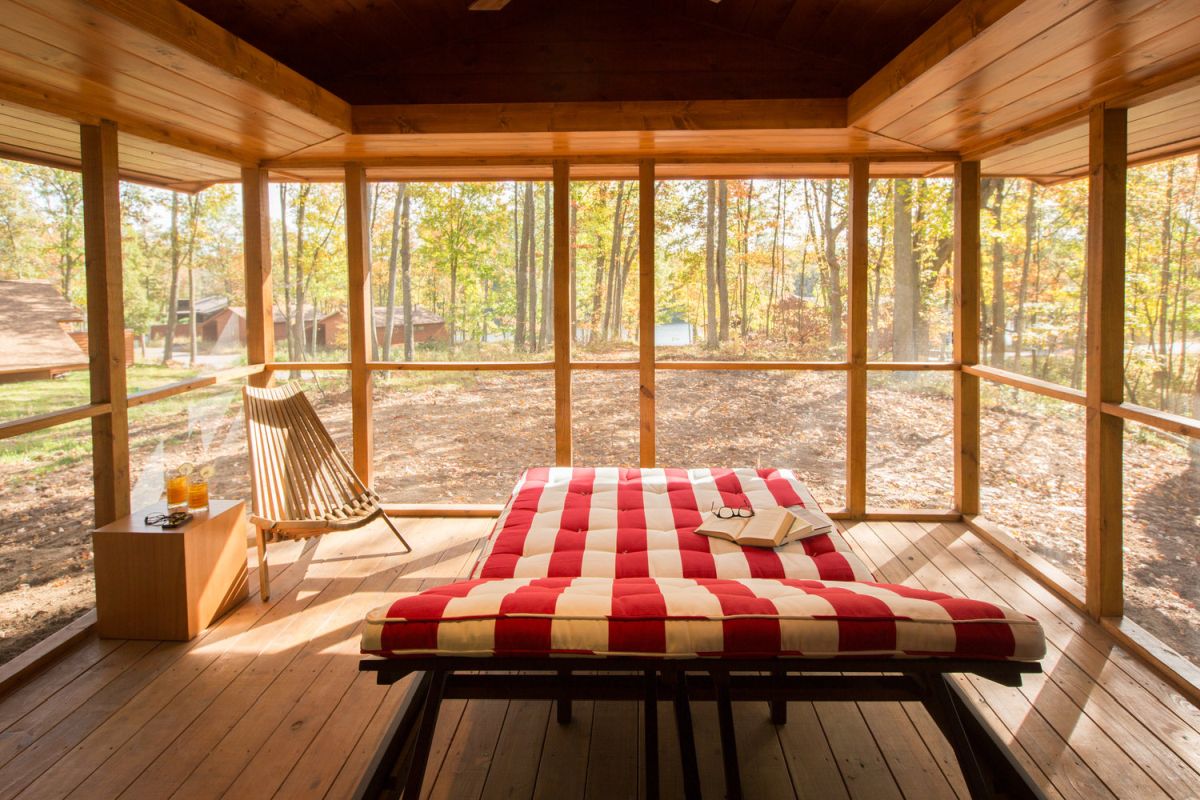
<point>989,768</point>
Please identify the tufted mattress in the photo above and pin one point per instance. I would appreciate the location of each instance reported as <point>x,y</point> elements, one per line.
<point>606,562</point>
<point>567,522</point>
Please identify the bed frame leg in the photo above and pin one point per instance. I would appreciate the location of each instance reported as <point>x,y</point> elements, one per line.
<point>733,777</point>
<point>424,741</point>
<point>687,739</point>
<point>650,730</point>
<point>778,707</point>
<point>941,706</point>
<point>564,696</point>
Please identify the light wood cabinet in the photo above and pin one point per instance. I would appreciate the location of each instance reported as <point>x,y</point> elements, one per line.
<point>169,584</point>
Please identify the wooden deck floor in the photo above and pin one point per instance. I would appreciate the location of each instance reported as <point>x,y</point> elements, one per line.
<point>269,702</point>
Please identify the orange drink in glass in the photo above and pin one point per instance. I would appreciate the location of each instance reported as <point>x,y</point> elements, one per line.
<point>177,492</point>
<point>197,495</point>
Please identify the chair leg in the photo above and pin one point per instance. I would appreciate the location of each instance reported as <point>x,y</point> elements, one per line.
<point>264,577</point>
<point>650,732</point>
<point>733,778</point>
<point>392,525</point>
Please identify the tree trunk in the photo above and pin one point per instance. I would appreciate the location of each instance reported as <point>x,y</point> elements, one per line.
<point>406,276</point>
<point>744,288</point>
<point>287,274</point>
<point>710,272</point>
<point>531,280</point>
<point>610,326</point>
<point>829,235</point>
<point>389,324</point>
<point>173,293</point>
<point>999,314</point>
<point>1164,280</point>
<point>1022,289</point>
<point>597,332</point>
<point>904,288</point>
<point>574,272</point>
<point>722,266</point>
<point>519,266</point>
<point>301,317</point>
<point>546,334</point>
<point>774,257</point>
<point>194,221</point>
<point>452,317</point>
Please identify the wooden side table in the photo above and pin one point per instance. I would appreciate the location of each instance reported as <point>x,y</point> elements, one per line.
<point>169,584</point>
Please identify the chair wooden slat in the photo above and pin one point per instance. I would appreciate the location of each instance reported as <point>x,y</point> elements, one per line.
<point>302,484</point>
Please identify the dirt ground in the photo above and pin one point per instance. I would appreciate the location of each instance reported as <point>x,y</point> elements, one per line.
<point>465,438</point>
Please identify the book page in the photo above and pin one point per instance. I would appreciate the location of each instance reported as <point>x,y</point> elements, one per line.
<point>767,528</point>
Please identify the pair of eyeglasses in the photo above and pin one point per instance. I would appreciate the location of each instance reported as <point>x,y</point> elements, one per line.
<point>729,512</point>
<point>172,520</point>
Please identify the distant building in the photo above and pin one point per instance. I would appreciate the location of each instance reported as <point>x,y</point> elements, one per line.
<point>220,324</point>
<point>35,326</point>
<point>427,326</point>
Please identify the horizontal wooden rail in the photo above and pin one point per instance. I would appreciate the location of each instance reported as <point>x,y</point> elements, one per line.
<point>605,365</point>
<point>749,366</point>
<point>52,419</point>
<point>1169,664</point>
<point>459,366</point>
<point>304,366</point>
<point>1163,420</point>
<point>191,384</point>
<point>911,366</point>
<point>897,515</point>
<point>443,509</point>
<point>1035,385</point>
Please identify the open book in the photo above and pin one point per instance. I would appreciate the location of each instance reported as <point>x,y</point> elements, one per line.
<point>770,527</point>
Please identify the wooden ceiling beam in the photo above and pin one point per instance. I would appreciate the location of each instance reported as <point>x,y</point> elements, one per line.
<point>937,52</point>
<point>486,5</point>
<point>600,116</point>
<point>184,30</point>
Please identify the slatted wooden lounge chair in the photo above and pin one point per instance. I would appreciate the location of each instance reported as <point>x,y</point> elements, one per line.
<point>302,484</point>
<point>595,579</point>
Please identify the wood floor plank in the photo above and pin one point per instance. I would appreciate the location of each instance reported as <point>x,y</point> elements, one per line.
<point>514,768</point>
<point>916,771</point>
<point>863,767</point>
<point>148,720</point>
<point>22,699</point>
<point>1141,742</point>
<point>813,767</point>
<point>563,769</point>
<point>1168,714</point>
<point>131,738</point>
<point>1078,733</point>
<point>613,757</point>
<point>331,643</point>
<point>884,566</point>
<point>271,646</point>
<point>314,769</point>
<point>465,769</point>
<point>760,756</point>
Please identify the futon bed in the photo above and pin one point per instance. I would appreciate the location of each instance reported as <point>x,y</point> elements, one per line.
<point>597,577</point>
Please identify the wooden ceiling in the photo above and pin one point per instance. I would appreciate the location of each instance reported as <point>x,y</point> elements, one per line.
<point>437,51</point>
<point>425,89</point>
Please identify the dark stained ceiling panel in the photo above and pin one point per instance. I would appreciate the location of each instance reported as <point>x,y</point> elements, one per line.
<point>437,51</point>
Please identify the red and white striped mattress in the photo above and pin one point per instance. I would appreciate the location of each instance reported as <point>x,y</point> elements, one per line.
<point>566,522</point>
<point>606,562</point>
<point>696,618</point>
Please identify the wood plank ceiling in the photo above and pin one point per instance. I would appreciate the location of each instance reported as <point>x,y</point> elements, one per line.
<point>426,89</point>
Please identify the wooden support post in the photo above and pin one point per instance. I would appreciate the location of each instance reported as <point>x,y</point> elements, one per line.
<point>256,238</point>
<point>966,336</point>
<point>646,309</point>
<point>106,319</point>
<point>1105,341</point>
<point>856,347</point>
<point>361,316</point>
<point>562,313</point>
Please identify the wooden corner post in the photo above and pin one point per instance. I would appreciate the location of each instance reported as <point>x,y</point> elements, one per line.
<point>105,319</point>
<point>646,309</point>
<point>361,316</point>
<point>562,314</point>
<point>856,386</point>
<point>256,239</point>
<point>1107,155</point>
<point>966,336</point>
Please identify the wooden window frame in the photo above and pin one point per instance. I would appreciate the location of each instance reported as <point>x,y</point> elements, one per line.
<point>1103,400</point>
